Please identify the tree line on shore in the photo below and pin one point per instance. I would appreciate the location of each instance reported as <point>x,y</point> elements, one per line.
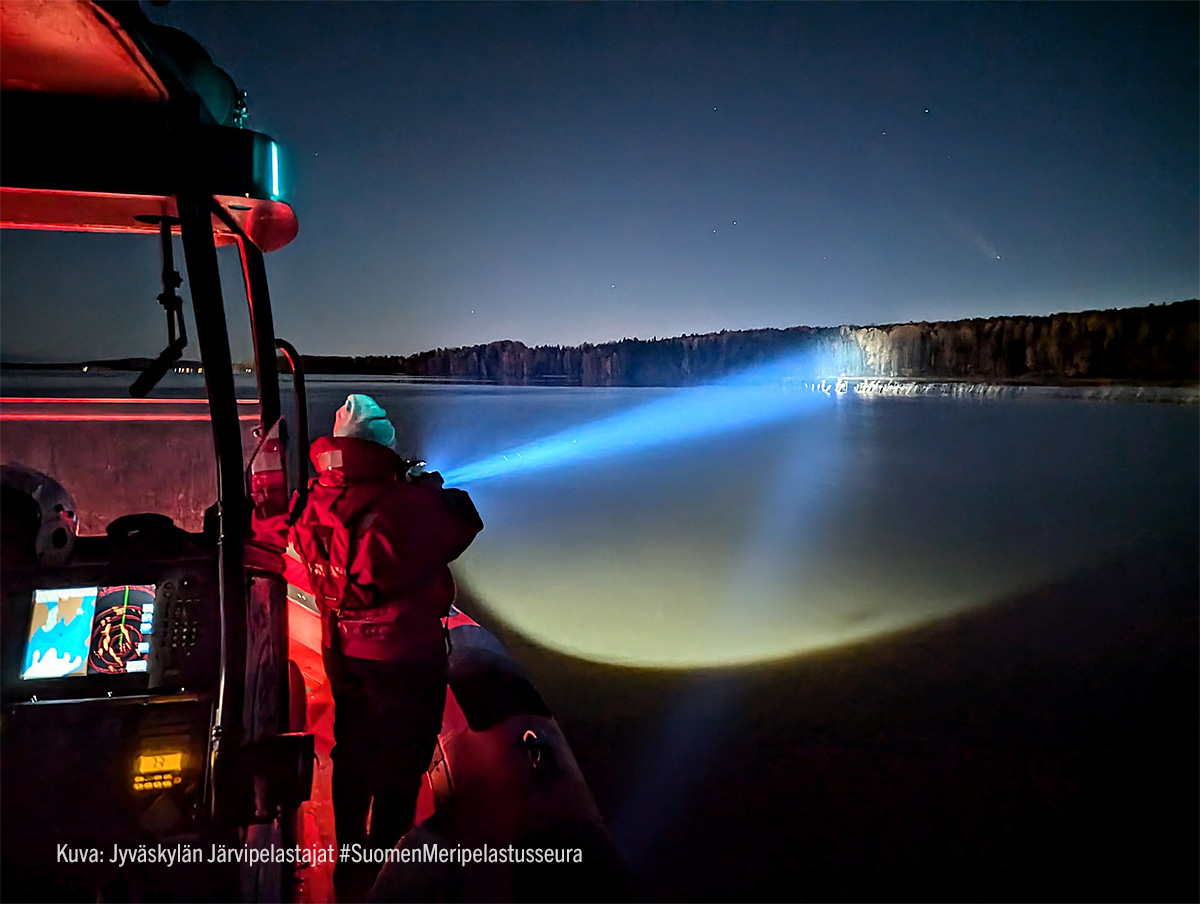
<point>1157,343</point>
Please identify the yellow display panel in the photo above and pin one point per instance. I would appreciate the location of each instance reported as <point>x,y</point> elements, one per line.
<point>161,762</point>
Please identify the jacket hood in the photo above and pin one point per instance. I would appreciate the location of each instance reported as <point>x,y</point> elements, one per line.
<point>348,459</point>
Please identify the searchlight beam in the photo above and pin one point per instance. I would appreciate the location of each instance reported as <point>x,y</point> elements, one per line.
<point>771,392</point>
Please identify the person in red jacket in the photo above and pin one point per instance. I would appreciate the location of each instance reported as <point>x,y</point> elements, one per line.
<point>376,538</point>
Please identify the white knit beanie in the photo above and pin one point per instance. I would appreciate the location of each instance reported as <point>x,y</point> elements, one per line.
<point>363,417</point>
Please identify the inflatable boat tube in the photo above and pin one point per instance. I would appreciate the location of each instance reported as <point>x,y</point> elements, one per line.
<point>504,813</point>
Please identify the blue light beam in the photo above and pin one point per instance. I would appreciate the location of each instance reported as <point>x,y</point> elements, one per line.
<point>772,392</point>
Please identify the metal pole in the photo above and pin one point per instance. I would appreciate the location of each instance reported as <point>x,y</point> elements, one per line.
<point>232,507</point>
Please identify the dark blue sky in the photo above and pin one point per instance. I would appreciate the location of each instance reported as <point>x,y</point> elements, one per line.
<point>583,172</point>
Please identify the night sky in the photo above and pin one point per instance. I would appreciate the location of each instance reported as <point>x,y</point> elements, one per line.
<point>585,172</point>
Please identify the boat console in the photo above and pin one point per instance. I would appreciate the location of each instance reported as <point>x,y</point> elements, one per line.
<point>109,679</point>
<point>132,612</point>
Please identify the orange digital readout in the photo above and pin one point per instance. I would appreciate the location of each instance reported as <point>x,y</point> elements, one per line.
<point>161,762</point>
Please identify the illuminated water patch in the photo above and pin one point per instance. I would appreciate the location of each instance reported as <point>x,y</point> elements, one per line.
<point>734,550</point>
<point>841,520</point>
<point>669,609</point>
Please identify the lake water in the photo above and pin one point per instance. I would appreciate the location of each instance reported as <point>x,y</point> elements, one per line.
<point>870,648</point>
<point>847,648</point>
<point>843,518</point>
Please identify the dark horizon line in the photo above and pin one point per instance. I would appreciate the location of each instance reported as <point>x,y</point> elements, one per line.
<point>141,362</point>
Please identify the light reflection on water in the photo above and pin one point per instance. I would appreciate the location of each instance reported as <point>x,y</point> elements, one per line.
<point>851,519</point>
<point>1051,730</point>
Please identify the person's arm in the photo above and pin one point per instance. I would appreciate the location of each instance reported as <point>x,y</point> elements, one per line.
<point>403,546</point>
<point>463,508</point>
<point>463,522</point>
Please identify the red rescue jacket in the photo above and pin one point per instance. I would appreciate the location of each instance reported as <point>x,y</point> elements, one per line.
<point>376,548</point>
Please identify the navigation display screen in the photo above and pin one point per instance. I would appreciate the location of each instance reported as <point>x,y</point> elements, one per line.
<point>89,631</point>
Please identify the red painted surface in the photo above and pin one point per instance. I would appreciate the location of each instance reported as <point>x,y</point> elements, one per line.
<point>270,224</point>
<point>72,48</point>
<point>78,211</point>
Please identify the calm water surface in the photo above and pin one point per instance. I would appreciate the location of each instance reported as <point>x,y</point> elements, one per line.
<point>876,649</point>
<point>956,639</point>
<point>847,519</point>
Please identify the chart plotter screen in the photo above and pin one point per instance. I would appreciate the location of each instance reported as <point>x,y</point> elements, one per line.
<point>89,631</point>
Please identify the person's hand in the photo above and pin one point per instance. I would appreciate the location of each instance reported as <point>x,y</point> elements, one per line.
<point>418,474</point>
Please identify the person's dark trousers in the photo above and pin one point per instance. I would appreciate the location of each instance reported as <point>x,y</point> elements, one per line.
<point>386,720</point>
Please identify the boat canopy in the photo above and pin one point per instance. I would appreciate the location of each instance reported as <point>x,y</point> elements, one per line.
<point>114,115</point>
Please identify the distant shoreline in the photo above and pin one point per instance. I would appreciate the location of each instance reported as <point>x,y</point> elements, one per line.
<point>1088,353</point>
<point>1155,344</point>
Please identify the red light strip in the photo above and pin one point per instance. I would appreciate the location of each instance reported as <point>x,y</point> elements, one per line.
<point>115,417</point>
<point>35,400</point>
